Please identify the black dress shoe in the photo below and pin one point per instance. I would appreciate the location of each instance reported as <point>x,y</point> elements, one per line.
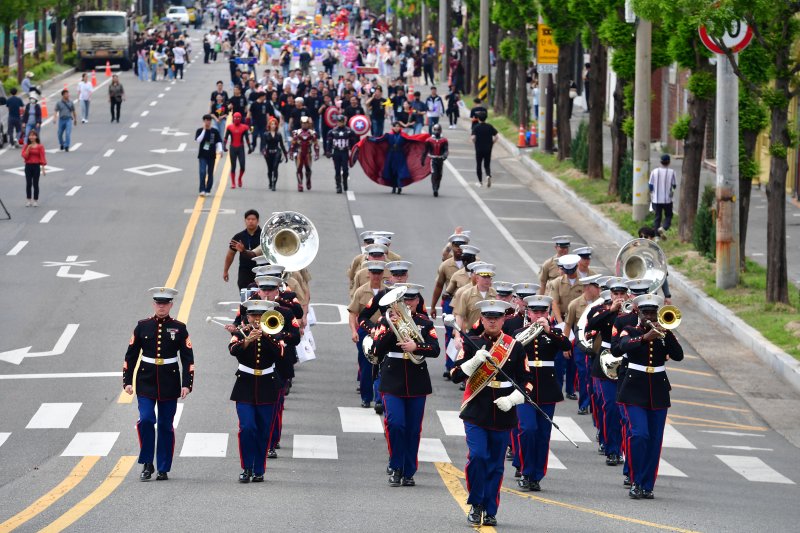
<point>147,472</point>
<point>379,408</point>
<point>272,454</point>
<point>389,470</point>
<point>245,476</point>
<point>635,492</point>
<point>517,473</point>
<point>583,411</point>
<point>601,449</point>
<point>572,396</point>
<point>365,405</point>
<point>489,520</point>
<point>535,487</point>
<point>463,386</point>
<point>524,483</point>
<point>647,494</point>
<point>509,453</point>
<point>395,479</point>
<point>613,460</point>
<point>162,476</point>
<point>626,481</point>
<point>407,482</point>
<point>435,194</point>
<point>475,515</point>
<point>258,478</point>
<point>277,446</point>
<point>394,189</point>
<point>446,375</point>
<point>399,190</point>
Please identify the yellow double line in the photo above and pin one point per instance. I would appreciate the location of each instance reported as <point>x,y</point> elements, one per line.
<point>125,463</point>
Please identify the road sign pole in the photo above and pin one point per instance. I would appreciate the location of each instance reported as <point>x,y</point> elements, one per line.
<point>641,117</point>
<point>483,52</point>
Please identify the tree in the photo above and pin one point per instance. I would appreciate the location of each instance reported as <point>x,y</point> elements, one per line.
<point>10,11</point>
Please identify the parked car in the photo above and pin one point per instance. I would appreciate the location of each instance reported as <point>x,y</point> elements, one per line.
<point>178,14</point>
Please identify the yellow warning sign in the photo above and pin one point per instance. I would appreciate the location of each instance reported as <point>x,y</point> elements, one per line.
<point>546,48</point>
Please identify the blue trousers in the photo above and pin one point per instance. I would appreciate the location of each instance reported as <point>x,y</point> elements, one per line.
<point>206,174</point>
<point>376,384</point>
<point>403,425</point>
<point>364,369</point>
<point>277,424</point>
<point>644,434</point>
<point>377,127</point>
<point>598,414</point>
<point>145,427</point>
<point>534,439</point>
<point>255,425</point>
<point>516,458</point>
<point>485,465</point>
<point>64,131</point>
<point>448,333</point>
<point>612,429</point>
<point>566,367</point>
<point>623,416</point>
<point>584,378</point>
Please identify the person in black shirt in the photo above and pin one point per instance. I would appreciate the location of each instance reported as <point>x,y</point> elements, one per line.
<point>238,103</point>
<point>353,109</point>
<point>477,112</point>
<point>398,99</point>
<point>483,137</point>
<point>312,103</point>
<point>377,111</point>
<point>299,111</point>
<point>210,145</point>
<point>221,91</point>
<point>258,115</point>
<point>245,240</point>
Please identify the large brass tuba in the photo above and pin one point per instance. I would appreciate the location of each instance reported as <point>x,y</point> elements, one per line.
<point>642,259</point>
<point>289,239</point>
<point>586,344</point>
<point>403,326</point>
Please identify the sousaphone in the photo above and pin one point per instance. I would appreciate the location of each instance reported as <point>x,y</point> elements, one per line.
<point>642,259</point>
<point>289,239</point>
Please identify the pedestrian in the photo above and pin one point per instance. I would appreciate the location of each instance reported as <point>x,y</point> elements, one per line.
<point>377,111</point>
<point>477,111</point>
<point>239,135</point>
<point>428,60</point>
<point>162,340</point>
<point>15,107</point>
<point>180,58</point>
<point>244,241</point>
<point>85,90</point>
<point>142,69</point>
<point>32,117</point>
<point>418,112</point>
<point>66,116</point>
<point>116,95</point>
<point>483,137</point>
<point>453,98</point>
<point>210,142</point>
<point>435,108</point>
<point>662,186</point>
<point>273,148</point>
<point>219,113</point>
<point>35,163</point>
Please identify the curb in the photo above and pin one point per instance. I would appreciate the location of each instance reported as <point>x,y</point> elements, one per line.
<point>779,361</point>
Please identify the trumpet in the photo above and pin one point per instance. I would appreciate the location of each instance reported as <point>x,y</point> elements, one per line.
<point>271,322</point>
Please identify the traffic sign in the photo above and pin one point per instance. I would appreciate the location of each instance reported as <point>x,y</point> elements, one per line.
<point>736,38</point>
<point>546,47</point>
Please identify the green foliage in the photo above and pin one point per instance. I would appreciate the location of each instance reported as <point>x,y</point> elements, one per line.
<point>702,84</point>
<point>628,97</point>
<point>625,180</point>
<point>71,58</point>
<point>773,99</point>
<point>564,21</point>
<point>704,233</point>
<point>9,83</point>
<point>748,167</point>
<point>580,148</point>
<point>627,126</point>
<point>680,130</point>
<point>779,150</point>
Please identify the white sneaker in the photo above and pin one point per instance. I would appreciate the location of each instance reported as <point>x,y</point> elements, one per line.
<point>488,181</point>
<point>35,203</point>
<point>28,203</point>
<point>479,185</point>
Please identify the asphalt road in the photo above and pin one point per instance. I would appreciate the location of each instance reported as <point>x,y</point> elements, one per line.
<point>68,444</point>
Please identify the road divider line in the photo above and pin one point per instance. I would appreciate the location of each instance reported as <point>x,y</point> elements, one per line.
<point>357,222</point>
<point>48,216</point>
<point>351,196</point>
<point>144,113</point>
<point>161,95</point>
<point>153,103</point>
<point>92,170</point>
<point>99,494</point>
<point>453,485</point>
<point>17,248</point>
<point>676,420</point>
<point>134,125</point>
<point>109,152</point>
<point>692,372</point>
<point>73,190</point>
<point>702,389</point>
<point>77,475</point>
<point>62,375</point>
<point>122,138</point>
<point>711,406</point>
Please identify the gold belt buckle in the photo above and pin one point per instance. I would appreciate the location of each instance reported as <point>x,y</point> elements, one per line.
<point>159,360</point>
<point>494,384</point>
<point>257,371</point>
<point>537,364</point>
<point>650,370</point>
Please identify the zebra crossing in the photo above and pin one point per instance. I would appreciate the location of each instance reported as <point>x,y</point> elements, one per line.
<point>356,420</point>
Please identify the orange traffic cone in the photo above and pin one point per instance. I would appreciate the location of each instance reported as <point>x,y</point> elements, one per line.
<point>521,140</point>
<point>534,137</point>
<point>94,78</point>
<point>44,109</point>
<point>108,69</point>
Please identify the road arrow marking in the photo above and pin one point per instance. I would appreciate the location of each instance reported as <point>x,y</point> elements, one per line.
<point>72,261</point>
<point>181,147</point>
<point>166,130</point>
<point>15,357</point>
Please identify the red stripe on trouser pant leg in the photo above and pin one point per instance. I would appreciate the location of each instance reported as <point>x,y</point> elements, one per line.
<point>239,437</point>
<point>628,452</point>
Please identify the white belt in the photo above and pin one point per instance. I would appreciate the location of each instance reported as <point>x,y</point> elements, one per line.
<point>257,371</point>
<point>648,369</point>
<point>499,384</point>
<point>605,344</point>
<point>398,355</point>
<point>538,364</point>
<point>159,360</point>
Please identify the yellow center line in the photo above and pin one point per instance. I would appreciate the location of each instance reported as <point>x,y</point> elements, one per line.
<point>450,476</point>
<point>703,389</point>
<point>711,406</point>
<point>78,473</point>
<point>693,372</point>
<point>450,471</point>
<point>716,423</point>
<point>99,494</point>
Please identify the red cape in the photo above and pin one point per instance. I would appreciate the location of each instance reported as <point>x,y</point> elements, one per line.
<point>372,155</point>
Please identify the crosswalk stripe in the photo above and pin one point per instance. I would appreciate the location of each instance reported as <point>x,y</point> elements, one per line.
<point>452,425</point>
<point>360,420</point>
<point>754,469</point>
<point>666,469</point>
<point>314,447</point>
<point>432,451</point>
<point>674,439</point>
<point>4,438</point>
<point>205,445</point>
<point>54,415</point>
<point>554,463</point>
<point>570,427</point>
<point>91,443</point>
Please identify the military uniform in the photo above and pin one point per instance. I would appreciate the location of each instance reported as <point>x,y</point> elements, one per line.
<point>444,273</point>
<point>363,296</point>
<point>575,310</point>
<point>550,269</point>
<point>465,304</point>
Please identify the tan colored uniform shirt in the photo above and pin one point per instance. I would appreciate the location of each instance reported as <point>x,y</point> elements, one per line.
<point>549,271</point>
<point>465,306</point>
<point>459,279</point>
<point>574,311</point>
<point>362,277</point>
<point>446,270</point>
<point>358,263</point>
<point>563,293</point>
<point>361,297</point>
<point>298,288</point>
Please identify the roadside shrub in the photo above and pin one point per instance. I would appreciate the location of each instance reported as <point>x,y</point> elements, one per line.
<point>704,232</point>
<point>625,180</point>
<point>580,148</point>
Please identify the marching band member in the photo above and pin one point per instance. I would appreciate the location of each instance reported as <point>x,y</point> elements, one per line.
<point>591,291</point>
<point>584,270</point>
<point>404,386</point>
<point>550,268</point>
<point>533,436</point>
<point>463,276</point>
<point>644,392</point>
<point>488,410</point>
<point>505,293</point>
<point>563,290</point>
<point>361,297</point>
<point>465,310</point>
<point>375,252</point>
<point>160,339</point>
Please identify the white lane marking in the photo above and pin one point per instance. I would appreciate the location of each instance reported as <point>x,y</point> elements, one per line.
<point>92,170</point>
<point>754,469</point>
<point>74,147</point>
<point>351,196</point>
<point>54,415</point>
<point>160,95</point>
<point>134,125</point>
<point>357,221</point>
<point>91,443</point>
<point>452,425</point>
<point>48,216</point>
<point>109,152</point>
<point>527,259</point>
<point>674,439</point>
<point>15,357</point>
<point>73,190</point>
<point>314,447</point>
<point>4,438</point>
<point>144,113</point>
<point>167,88</point>
<point>516,200</point>
<point>153,103</point>
<point>432,451</point>
<point>63,375</point>
<point>4,150</point>
<point>570,427</point>
<point>535,220</point>
<point>554,462</point>
<point>205,445</point>
<point>122,138</point>
<point>17,248</point>
<point>731,433</point>
<point>360,420</point>
<point>666,469</point>
<point>742,448</point>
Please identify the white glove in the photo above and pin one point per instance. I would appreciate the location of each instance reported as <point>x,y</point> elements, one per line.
<point>473,364</point>
<point>505,403</point>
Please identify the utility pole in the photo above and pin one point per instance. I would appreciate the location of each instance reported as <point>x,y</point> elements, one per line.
<point>444,39</point>
<point>483,52</point>
<point>424,18</point>
<point>727,147</point>
<point>641,117</point>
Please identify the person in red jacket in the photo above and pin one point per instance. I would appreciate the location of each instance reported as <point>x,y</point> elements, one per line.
<point>35,163</point>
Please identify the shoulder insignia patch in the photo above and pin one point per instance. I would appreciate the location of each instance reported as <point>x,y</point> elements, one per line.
<point>133,339</point>
<point>623,334</point>
<point>614,331</point>
<point>188,343</point>
<point>433,333</point>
